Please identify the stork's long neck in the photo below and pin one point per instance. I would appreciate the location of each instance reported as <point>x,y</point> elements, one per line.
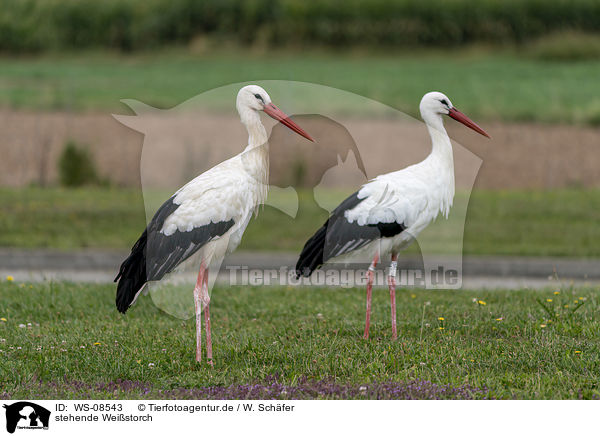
<point>441,159</point>
<point>441,147</point>
<point>257,135</point>
<point>255,156</point>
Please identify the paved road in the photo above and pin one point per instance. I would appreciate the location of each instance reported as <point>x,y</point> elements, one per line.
<point>478,272</point>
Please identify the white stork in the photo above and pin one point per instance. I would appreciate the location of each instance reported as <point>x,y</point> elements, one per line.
<point>207,216</point>
<point>388,212</point>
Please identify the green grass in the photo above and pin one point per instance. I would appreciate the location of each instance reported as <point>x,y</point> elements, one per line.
<point>485,85</point>
<point>70,218</point>
<point>533,223</point>
<point>511,345</point>
<point>537,223</point>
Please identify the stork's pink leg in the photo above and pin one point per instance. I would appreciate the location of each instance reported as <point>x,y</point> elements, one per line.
<point>370,278</point>
<point>392,285</point>
<point>206,309</point>
<point>198,307</point>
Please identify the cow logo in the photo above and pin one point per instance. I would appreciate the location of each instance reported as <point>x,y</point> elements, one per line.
<point>26,415</point>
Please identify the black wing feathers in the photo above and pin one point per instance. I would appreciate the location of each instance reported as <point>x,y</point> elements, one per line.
<point>338,236</point>
<point>155,254</point>
<point>132,274</point>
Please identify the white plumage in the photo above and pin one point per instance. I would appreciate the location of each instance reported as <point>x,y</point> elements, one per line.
<point>207,217</point>
<point>230,190</point>
<point>388,213</point>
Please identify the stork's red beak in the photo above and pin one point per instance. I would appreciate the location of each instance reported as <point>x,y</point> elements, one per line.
<point>462,118</point>
<point>276,113</point>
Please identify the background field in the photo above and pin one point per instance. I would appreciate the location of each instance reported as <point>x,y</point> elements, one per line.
<point>274,342</point>
<point>506,87</point>
<point>490,85</point>
<point>552,223</point>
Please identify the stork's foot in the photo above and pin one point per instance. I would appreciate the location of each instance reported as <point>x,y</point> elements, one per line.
<point>209,362</point>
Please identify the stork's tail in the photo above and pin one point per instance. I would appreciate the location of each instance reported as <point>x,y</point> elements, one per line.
<point>311,256</point>
<point>132,275</point>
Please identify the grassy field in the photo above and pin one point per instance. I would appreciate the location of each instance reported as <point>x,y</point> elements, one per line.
<point>70,218</point>
<point>61,340</point>
<point>543,223</point>
<point>485,85</point>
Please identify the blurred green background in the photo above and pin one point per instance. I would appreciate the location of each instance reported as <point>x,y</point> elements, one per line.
<point>528,66</point>
<point>34,25</point>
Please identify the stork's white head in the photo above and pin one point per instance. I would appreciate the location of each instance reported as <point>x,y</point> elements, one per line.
<point>252,98</point>
<point>435,104</point>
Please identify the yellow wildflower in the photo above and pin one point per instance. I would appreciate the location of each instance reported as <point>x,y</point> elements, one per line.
<point>499,319</point>
<point>440,328</point>
<point>97,343</point>
<point>413,296</point>
<point>441,318</point>
<point>556,293</point>
<point>549,300</point>
<point>9,278</point>
<point>483,303</point>
<point>3,319</point>
<point>577,352</point>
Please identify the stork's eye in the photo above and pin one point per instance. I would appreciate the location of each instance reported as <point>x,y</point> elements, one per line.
<point>444,102</point>
<point>259,97</point>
